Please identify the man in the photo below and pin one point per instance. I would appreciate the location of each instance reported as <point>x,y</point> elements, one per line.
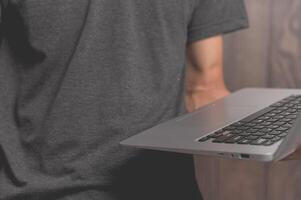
<point>77,77</point>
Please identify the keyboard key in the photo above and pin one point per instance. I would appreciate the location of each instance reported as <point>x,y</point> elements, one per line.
<point>252,137</point>
<point>257,121</point>
<point>276,111</point>
<point>285,113</point>
<point>276,132</point>
<point>281,128</point>
<point>292,110</point>
<point>282,135</point>
<point>276,139</point>
<point>259,127</point>
<point>267,136</point>
<point>215,135</point>
<point>250,124</point>
<point>238,124</point>
<point>204,139</point>
<point>279,123</point>
<point>266,123</point>
<point>278,104</point>
<point>234,139</point>
<point>270,115</point>
<point>252,130</point>
<point>243,128</point>
<point>258,133</point>
<point>258,142</point>
<point>244,141</point>
<point>286,120</point>
<point>245,133</point>
<point>229,128</point>
<point>268,143</point>
<point>219,131</point>
<point>287,125</point>
<point>291,116</point>
<point>266,130</point>
<point>279,117</point>
<point>283,108</point>
<point>223,138</point>
<point>272,120</point>
<point>236,132</point>
<point>273,126</point>
<point>293,102</point>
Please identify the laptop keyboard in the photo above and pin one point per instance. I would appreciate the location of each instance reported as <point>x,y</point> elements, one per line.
<point>264,127</point>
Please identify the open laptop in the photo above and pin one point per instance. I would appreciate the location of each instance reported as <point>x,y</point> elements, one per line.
<point>254,124</point>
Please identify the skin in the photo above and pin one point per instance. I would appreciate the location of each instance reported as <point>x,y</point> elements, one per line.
<point>204,77</point>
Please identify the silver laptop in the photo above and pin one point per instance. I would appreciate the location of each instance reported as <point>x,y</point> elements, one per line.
<point>253,124</point>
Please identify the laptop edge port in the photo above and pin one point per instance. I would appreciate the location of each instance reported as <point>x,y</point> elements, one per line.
<point>245,156</point>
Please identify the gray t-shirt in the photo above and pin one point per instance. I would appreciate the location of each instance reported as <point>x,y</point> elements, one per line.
<point>112,68</point>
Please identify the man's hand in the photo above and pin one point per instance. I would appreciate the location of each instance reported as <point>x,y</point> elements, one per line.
<point>204,76</point>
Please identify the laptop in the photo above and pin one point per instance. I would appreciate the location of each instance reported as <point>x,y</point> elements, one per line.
<point>250,124</point>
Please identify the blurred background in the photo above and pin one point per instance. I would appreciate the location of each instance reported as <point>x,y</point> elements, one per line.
<point>266,55</point>
<point>269,53</point>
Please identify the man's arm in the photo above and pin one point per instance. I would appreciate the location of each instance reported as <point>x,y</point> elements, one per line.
<point>204,78</point>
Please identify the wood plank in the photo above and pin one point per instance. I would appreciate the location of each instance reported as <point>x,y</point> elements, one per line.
<point>285,57</point>
<point>246,52</point>
<point>284,180</point>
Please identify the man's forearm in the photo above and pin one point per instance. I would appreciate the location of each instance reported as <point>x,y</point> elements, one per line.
<point>203,81</point>
<point>203,88</point>
<point>204,77</point>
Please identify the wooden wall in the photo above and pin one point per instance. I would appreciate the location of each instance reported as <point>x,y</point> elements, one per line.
<point>266,55</point>
<point>269,53</point>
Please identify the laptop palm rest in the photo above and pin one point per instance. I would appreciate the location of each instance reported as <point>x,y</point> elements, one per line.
<point>200,122</point>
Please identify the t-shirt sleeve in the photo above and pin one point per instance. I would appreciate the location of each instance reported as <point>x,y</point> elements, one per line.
<point>214,17</point>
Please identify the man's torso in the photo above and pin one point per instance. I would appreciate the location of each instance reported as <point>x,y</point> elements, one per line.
<point>112,69</point>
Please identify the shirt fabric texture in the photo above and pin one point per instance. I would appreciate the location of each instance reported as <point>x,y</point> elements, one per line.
<point>112,68</point>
